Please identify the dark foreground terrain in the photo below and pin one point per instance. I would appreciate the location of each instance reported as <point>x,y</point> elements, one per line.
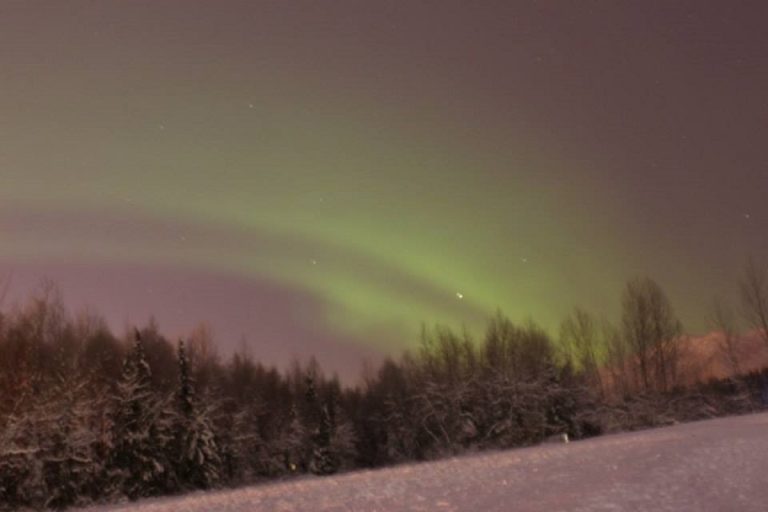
<point>714,465</point>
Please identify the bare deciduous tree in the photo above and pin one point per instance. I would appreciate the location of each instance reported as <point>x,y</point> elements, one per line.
<point>578,334</point>
<point>653,332</point>
<point>724,321</point>
<point>617,358</point>
<point>5,284</point>
<point>754,297</point>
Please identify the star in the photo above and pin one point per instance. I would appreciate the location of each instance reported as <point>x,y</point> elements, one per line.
<point>314,262</point>
<point>459,295</point>
<point>747,216</point>
<point>250,105</point>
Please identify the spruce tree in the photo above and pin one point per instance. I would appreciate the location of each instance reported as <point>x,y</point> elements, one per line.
<point>140,431</point>
<point>71,465</point>
<point>21,468</point>
<point>196,458</point>
<point>48,451</point>
<point>292,443</point>
<point>322,460</point>
<point>341,435</point>
<point>240,445</point>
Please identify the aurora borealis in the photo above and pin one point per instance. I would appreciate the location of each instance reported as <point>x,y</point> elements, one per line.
<point>323,177</point>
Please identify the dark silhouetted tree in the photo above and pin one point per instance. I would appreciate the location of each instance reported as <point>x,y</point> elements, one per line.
<point>579,334</point>
<point>652,332</point>
<point>754,297</point>
<point>196,453</point>
<point>140,431</point>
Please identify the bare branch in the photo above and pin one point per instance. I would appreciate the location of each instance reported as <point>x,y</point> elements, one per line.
<point>5,285</point>
<point>724,321</point>
<point>754,297</point>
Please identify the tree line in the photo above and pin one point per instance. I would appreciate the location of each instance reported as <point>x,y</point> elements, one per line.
<point>87,416</point>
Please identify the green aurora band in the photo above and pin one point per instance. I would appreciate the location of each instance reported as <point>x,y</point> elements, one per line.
<point>390,231</point>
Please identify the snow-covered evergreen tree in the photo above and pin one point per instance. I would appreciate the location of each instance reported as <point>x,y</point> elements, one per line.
<point>196,453</point>
<point>242,448</point>
<point>322,460</point>
<point>140,431</point>
<point>72,468</point>
<point>291,444</point>
<point>342,438</point>
<point>21,475</point>
<point>48,450</point>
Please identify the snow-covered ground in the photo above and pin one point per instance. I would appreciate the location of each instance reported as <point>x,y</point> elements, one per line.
<point>716,465</point>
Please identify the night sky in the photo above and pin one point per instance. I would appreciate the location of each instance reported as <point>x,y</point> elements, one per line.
<point>323,177</point>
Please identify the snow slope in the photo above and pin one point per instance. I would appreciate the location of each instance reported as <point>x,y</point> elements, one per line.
<point>715,465</point>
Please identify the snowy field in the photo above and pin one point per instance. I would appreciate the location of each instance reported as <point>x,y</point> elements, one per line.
<point>716,465</point>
